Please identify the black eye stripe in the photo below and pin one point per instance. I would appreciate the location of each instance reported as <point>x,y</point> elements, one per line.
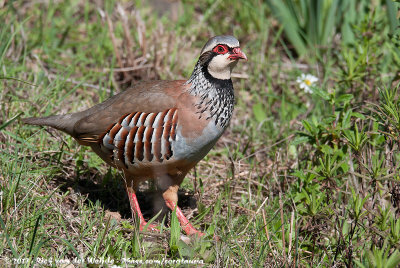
<point>221,49</point>
<point>230,49</point>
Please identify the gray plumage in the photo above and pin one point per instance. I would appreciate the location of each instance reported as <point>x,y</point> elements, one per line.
<point>220,39</point>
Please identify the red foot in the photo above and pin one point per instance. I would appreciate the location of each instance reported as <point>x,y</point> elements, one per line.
<point>185,224</point>
<point>136,210</point>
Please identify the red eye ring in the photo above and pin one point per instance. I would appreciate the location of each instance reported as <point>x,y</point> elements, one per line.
<point>221,49</point>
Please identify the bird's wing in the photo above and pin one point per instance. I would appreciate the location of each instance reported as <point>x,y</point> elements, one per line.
<point>147,97</point>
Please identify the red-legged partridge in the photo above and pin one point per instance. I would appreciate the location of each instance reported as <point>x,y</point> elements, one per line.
<point>160,129</point>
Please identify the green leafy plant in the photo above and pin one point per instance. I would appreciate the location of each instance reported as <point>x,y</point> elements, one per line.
<point>381,258</point>
<point>313,24</point>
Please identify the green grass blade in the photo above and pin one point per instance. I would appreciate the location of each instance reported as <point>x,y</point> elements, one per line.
<point>4,125</point>
<point>3,226</point>
<point>34,233</point>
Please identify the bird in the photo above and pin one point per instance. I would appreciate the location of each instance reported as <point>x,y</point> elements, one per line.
<point>159,130</point>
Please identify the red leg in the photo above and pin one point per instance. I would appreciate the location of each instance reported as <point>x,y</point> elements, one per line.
<point>186,226</point>
<point>136,210</point>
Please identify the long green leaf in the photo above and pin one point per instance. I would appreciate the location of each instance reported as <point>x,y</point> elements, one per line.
<point>391,11</point>
<point>290,24</point>
<point>328,27</point>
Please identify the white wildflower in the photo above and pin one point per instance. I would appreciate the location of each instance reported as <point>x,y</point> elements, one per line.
<point>306,81</point>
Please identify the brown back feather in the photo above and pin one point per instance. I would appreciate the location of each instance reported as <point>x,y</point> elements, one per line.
<point>88,125</point>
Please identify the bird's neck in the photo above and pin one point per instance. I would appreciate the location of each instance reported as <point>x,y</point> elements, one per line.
<point>216,96</point>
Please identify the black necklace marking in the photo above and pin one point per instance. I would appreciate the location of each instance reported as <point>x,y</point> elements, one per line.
<point>216,95</point>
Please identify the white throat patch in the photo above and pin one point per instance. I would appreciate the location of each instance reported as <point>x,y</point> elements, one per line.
<point>220,66</point>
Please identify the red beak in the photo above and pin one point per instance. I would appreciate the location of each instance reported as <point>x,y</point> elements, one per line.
<point>237,54</point>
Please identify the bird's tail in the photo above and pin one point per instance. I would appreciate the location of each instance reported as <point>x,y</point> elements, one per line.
<point>60,122</point>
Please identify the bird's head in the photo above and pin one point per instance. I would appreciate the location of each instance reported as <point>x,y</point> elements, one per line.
<point>219,55</point>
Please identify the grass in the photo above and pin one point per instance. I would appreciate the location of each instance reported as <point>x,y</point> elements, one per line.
<point>298,179</point>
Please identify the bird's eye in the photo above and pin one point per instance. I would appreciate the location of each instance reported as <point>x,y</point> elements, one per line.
<point>221,49</point>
